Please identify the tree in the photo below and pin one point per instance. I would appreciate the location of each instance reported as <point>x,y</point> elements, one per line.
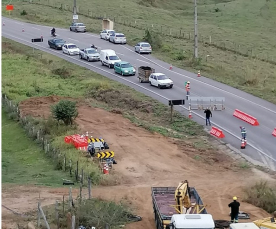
<point>66,111</point>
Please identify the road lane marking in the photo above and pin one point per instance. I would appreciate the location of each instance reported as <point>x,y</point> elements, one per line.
<point>120,53</point>
<point>36,28</point>
<point>143,61</point>
<point>122,78</point>
<point>73,39</point>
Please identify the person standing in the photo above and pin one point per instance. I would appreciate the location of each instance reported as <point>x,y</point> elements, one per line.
<point>187,87</point>
<point>208,114</point>
<point>243,133</point>
<point>235,209</point>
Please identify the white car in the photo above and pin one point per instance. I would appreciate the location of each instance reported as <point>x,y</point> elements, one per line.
<point>70,49</point>
<point>106,33</point>
<point>160,80</point>
<point>143,47</point>
<point>117,38</point>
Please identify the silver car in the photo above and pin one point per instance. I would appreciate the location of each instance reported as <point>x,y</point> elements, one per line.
<point>117,38</point>
<point>143,47</point>
<point>78,27</point>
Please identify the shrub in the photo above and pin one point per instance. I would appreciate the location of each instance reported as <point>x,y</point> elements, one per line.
<point>23,13</point>
<point>153,38</point>
<point>261,195</point>
<point>65,111</point>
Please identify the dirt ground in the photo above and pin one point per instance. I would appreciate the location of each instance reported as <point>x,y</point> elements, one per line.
<point>144,160</point>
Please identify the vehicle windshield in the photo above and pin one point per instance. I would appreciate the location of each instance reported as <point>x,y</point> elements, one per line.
<point>72,46</point>
<point>126,65</point>
<point>111,32</point>
<point>91,51</point>
<point>162,77</point>
<point>120,35</point>
<point>145,45</point>
<point>114,58</point>
<point>59,41</point>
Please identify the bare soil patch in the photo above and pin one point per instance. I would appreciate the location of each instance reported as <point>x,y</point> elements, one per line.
<point>144,160</point>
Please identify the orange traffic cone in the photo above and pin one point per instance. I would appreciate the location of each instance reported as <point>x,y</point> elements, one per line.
<point>190,114</point>
<point>170,67</point>
<point>41,36</point>
<point>105,169</point>
<point>243,144</point>
<point>198,73</point>
<point>23,30</point>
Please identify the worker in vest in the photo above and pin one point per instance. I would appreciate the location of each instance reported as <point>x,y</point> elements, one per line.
<point>235,209</point>
<point>187,87</point>
<point>243,133</point>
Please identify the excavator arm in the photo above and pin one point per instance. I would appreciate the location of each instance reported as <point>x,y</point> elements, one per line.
<point>182,197</point>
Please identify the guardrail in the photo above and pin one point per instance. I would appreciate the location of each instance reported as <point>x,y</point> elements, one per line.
<point>201,103</point>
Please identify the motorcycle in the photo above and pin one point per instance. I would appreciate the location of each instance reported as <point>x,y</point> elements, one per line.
<point>94,47</point>
<point>53,34</point>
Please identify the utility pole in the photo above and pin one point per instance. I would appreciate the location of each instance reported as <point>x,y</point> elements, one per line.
<point>75,10</point>
<point>196,36</point>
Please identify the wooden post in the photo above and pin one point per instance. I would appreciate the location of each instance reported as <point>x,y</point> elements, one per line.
<point>63,210</point>
<point>210,39</point>
<point>44,217</point>
<point>64,162</point>
<point>171,113</point>
<point>70,167</point>
<point>81,176</point>
<point>80,191</point>
<point>89,188</point>
<point>73,222</point>
<point>77,170</point>
<point>38,215</point>
<point>70,197</point>
<point>56,210</point>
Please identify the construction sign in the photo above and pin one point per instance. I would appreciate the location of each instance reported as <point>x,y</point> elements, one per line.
<point>95,140</point>
<point>103,155</point>
<point>9,7</point>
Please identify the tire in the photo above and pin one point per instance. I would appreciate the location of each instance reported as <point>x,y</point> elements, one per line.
<point>149,52</point>
<point>139,51</point>
<point>159,86</point>
<point>140,80</point>
<point>150,83</point>
<point>102,63</point>
<point>70,29</point>
<point>115,71</point>
<point>109,66</point>
<point>171,86</point>
<point>122,73</point>
<point>80,56</point>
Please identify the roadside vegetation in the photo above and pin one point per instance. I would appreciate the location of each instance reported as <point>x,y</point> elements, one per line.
<point>241,51</point>
<point>23,162</point>
<point>262,195</point>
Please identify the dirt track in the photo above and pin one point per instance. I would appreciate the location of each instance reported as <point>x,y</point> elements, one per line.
<point>144,160</point>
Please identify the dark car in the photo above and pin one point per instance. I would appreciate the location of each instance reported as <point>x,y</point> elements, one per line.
<point>56,43</point>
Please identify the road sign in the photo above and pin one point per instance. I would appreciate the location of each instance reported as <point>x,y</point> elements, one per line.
<point>177,102</point>
<point>75,17</point>
<point>9,7</point>
<point>37,40</point>
<point>103,155</point>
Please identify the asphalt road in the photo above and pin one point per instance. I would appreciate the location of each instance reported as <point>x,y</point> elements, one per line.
<point>261,146</point>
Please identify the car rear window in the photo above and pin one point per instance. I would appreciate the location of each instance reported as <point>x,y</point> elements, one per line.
<point>120,35</point>
<point>145,45</point>
<point>80,24</point>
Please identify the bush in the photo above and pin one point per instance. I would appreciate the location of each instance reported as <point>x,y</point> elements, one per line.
<point>23,13</point>
<point>261,195</point>
<point>153,38</point>
<point>65,111</point>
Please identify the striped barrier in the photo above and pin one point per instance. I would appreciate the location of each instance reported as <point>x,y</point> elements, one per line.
<point>245,117</point>
<point>217,132</point>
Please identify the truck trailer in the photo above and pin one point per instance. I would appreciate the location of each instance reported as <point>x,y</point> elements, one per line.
<point>180,207</point>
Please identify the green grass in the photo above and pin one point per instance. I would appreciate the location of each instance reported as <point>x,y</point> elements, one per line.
<point>245,27</point>
<point>23,162</point>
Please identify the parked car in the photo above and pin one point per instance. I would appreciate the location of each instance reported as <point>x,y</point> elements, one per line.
<point>70,49</point>
<point>117,38</point>
<point>160,80</point>
<point>143,47</point>
<point>89,54</point>
<point>108,57</point>
<point>106,33</point>
<point>56,43</point>
<point>78,27</point>
<point>124,68</point>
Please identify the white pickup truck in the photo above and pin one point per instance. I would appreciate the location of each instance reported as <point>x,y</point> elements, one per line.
<point>89,54</point>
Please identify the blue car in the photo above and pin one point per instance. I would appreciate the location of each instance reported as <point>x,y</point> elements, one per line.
<point>124,68</point>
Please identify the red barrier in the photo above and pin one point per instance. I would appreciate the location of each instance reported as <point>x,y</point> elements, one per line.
<point>245,117</point>
<point>274,132</point>
<point>68,139</point>
<point>217,132</point>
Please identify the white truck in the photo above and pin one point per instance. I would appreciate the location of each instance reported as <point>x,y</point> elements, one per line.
<point>89,54</point>
<point>109,57</point>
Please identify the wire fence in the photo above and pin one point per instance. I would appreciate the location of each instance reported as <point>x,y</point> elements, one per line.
<point>78,174</point>
<point>164,30</point>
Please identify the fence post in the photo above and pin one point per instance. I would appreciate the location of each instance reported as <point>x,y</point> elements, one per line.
<point>70,167</point>
<point>73,222</point>
<point>64,162</point>
<point>210,39</point>
<point>70,197</point>
<point>77,175</point>
<point>81,176</point>
<point>63,210</point>
<point>80,192</point>
<point>56,210</point>
<point>38,215</point>
<point>89,187</point>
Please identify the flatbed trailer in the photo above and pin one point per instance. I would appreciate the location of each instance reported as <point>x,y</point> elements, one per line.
<point>163,202</point>
<point>144,73</point>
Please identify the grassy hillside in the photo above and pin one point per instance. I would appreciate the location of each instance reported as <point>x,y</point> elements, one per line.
<point>23,162</point>
<point>242,52</point>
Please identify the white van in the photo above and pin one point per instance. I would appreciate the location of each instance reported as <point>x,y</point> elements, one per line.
<point>243,226</point>
<point>108,57</point>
